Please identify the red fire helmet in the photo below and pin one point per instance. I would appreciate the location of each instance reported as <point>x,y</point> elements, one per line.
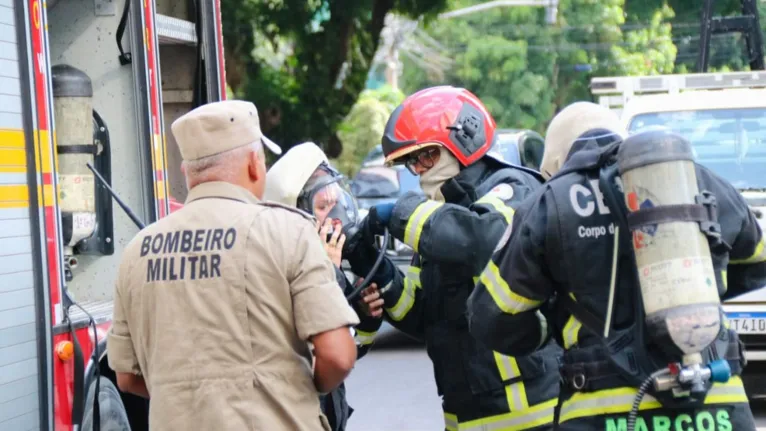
<point>449,116</point>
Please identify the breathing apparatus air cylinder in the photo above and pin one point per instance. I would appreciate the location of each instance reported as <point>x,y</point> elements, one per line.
<point>73,106</point>
<point>671,224</point>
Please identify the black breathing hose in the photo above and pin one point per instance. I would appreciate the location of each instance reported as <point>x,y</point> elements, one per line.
<point>642,390</point>
<point>378,261</point>
<point>632,416</point>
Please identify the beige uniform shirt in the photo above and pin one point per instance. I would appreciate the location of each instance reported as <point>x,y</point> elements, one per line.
<point>214,305</point>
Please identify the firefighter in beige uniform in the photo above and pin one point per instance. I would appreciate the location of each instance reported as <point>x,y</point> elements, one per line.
<point>216,303</point>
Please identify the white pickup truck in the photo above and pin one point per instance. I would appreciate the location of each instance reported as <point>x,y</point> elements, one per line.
<point>724,117</point>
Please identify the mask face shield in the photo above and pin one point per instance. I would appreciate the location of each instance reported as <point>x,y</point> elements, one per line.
<point>328,197</point>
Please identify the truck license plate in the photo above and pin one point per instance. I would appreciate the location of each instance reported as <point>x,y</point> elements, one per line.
<point>747,323</point>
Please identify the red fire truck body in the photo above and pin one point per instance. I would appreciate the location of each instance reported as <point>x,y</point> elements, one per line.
<point>72,98</point>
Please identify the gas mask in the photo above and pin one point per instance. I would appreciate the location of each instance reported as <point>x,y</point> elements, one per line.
<point>327,197</point>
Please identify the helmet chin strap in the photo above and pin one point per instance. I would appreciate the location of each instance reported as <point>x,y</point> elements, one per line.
<point>433,179</point>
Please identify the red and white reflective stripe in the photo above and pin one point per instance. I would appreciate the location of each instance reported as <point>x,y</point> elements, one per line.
<point>45,158</point>
<point>157,133</point>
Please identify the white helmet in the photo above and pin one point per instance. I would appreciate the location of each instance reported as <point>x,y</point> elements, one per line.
<point>568,125</point>
<point>288,175</point>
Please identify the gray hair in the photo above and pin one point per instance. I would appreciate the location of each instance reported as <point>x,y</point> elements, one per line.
<point>219,167</point>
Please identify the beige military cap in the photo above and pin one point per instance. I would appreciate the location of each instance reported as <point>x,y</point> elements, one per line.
<point>217,127</point>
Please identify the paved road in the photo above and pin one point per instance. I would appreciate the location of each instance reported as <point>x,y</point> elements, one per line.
<point>392,389</point>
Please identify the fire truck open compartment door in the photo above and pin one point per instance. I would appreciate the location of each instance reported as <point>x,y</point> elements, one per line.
<point>191,70</point>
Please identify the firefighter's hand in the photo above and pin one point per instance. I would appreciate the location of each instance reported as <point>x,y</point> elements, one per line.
<point>378,217</point>
<point>334,245</point>
<point>371,302</point>
<point>360,251</point>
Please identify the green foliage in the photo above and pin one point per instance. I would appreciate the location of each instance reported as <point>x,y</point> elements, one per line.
<point>649,50</point>
<point>304,62</point>
<point>524,69</point>
<point>362,128</point>
<point>496,56</point>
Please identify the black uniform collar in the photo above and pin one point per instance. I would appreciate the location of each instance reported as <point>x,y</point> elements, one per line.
<point>461,189</point>
<point>589,153</point>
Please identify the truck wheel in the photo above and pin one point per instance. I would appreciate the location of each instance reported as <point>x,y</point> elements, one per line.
<point>113,415</point>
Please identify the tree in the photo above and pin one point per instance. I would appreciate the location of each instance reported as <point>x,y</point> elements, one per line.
<point>304,62</point>
<point>363,127</point>
<point>524,70</point>
<point>648,50</point>
<point>587,31</point>
<point>496,56</point>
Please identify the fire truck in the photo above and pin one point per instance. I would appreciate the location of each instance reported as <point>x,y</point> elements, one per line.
<point>86,86</point>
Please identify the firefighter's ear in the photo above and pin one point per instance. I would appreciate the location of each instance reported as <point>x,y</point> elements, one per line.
<point>256,165</point>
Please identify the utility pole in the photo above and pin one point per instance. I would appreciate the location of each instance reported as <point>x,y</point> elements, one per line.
<point>392,66</point>
<point>394,34</point>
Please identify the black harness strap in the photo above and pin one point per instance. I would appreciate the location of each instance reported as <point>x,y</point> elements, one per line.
<point>667,213</point>
<point>704,212</point>
<point>77,149</point>
<point>583,314</point>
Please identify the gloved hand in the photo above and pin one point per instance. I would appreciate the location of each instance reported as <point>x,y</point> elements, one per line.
<point>360,251</point>
<point>360,248</point>
<point>378,218</point>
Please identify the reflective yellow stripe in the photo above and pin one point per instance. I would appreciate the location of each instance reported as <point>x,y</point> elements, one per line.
<point>364,338</point>
<point>417,220</point>
<point>17,195</point>
<point>725,281</point>
<point>407,299</point>
<point>732,391</point>
<point>499,205</point>
<point>12,160</point>
<point>516,393</point>
<point>507,300</point>
<point>571,332</point>
<point>543,328</point>
<point>413,274</point>
<point>620,400</point>
<point>43,146</point>
<point>759,255</point>
<point>450,421</point>
<point>535,416</point>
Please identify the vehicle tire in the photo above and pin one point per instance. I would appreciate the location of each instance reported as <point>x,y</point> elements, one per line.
<point>113,414</point>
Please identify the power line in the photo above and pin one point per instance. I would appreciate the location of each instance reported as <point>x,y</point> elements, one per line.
<point>599,46</point>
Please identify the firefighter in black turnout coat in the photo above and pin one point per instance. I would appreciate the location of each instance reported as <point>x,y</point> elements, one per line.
<point>562,245</point>
<point>443,134</point>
